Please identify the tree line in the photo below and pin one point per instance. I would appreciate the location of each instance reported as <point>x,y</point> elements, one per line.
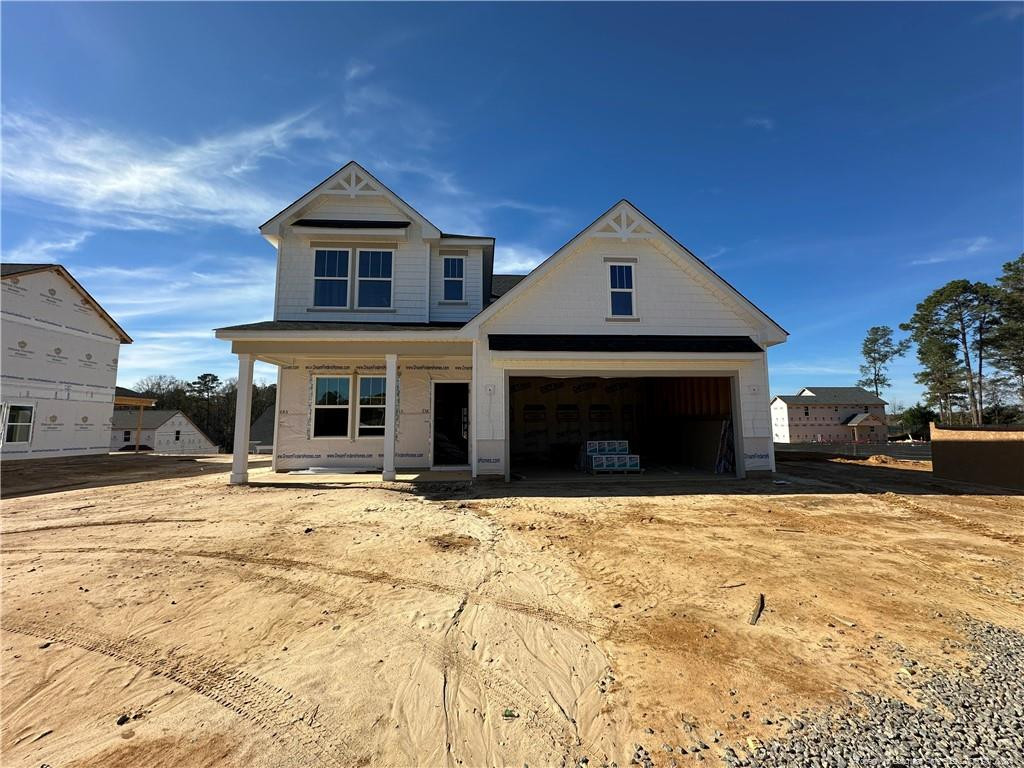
<point>208,401</point>
<point>969,339</point>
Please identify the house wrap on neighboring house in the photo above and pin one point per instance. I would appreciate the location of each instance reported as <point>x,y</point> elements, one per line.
<point>162,431</point>
<point>397,346</point>
<point>829,415</point>
<point>59,369</point>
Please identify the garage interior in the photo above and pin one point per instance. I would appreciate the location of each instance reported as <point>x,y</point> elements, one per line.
<point>675,424</point>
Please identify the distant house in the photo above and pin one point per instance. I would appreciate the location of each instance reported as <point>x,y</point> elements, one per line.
<point>162,431</point>
<point>59,365</point>
<point>829,415</point>
<point>261,433</point>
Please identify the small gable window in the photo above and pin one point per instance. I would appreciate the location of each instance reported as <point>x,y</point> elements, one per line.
<point>621,283</point>
<point>374,287</point>
<point>177,435</point>
<point>127,435</point>
<point>330,273</point>
<point>454,267</point>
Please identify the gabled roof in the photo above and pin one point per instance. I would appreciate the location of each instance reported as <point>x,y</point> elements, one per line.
<point>831,396</point>
<point>261,431</point>
<point>861,418</point>
<point>612,223</point>
<point>151,419</point>
<point>359,182</point>
<point>12,269</point>
<point>502,284</point>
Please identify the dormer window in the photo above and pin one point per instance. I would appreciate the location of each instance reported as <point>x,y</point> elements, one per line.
<point>454,278</point>
<point>374,280</point>
<point>330,273</point>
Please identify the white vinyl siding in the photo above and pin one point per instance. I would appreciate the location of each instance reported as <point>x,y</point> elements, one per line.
<point>472,285</point>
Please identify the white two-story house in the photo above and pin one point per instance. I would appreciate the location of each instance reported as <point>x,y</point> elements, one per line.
<point>829,415</point>
<point>398,348</point>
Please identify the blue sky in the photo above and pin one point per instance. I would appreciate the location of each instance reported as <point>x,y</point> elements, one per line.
<point>835,162</point>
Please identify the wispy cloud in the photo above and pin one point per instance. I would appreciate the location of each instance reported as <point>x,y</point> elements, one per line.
<point>817,367</point>
<point>108,179</point>
<point>764,123</point>
<point>715,253</point>
<point>958,249</point>
<point>358,69</point>
<point>517,259</point>
<point>43,251</point>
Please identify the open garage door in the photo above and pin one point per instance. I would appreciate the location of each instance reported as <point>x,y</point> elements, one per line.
<point>672,423</point>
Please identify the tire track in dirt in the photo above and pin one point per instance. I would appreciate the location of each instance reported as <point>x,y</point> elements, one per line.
<point>532,609</point>
<point>104,523</point>
<point>294,724</point>
<point>961,523</point>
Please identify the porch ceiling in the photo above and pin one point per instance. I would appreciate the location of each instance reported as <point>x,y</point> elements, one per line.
<point>279,352</point>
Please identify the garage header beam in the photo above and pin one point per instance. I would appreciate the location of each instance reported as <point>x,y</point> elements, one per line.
<point>551,342</point>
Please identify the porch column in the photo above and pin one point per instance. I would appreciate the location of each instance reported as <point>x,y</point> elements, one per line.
<point>391,396</point>
<point>243,410</point>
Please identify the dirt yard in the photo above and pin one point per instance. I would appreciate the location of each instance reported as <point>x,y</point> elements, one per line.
<point>154,616</point>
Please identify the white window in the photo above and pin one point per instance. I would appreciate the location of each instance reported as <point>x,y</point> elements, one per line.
<point>18,428</point>
<point>330,278</point>
<point>372,402</point>
<point>373,290</point>
<point>454,271</point>
<point>331,406</point>
<point>127,435</point>
<point>620,278</point>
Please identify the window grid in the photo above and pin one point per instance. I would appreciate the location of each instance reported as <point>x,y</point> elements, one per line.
<point>330,273</point>
<point>620,278</point>
<point>374,279</point>
<point>331,406</point>
<point>372,405</point>
<point>19,423</point>
<point>454,278</point>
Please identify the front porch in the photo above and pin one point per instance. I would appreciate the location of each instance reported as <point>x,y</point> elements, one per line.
<point>349,409</point>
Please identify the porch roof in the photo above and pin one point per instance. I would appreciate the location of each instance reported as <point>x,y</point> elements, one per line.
<point>330,325</point>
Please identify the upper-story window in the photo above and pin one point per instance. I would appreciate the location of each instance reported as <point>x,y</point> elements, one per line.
<point>373,288</point>
<point>330,273</point>
<point>620,278</point>
<point>454,278</point>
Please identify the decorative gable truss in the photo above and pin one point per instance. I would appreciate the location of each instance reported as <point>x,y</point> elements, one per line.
<point>350,182</point>
<point>622,223</point>
<point>353,182</point>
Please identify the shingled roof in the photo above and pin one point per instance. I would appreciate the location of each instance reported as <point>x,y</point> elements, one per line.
<point>832,396</point>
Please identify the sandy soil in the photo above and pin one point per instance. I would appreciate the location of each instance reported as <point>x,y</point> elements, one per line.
<point>536,624</point>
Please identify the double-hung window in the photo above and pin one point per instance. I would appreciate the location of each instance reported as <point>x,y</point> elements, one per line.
<point>330,276</point>
<point>331,406</point>
<point>454,278</point>
<point>374,279</point>
<point>127,435</point>
<point>19,424</point>
<point>372,401</point>
<point>620,278</point>
<point>177,435</point>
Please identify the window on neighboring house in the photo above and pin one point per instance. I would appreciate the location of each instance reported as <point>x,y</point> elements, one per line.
<point>621,283</point>
<point>807,411</point>
<point>453,278</point>
<point>331,406</point>
<point>372,402</point>
<point>865,409</point>
<point>19,424</point>
<point>177,435</point>
<point>374,285</point>
<point>127,435</point>
<point>330,283</point>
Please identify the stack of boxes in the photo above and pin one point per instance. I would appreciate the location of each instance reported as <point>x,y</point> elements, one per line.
<point>610,456</point>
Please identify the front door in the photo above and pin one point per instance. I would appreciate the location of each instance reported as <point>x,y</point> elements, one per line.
<point>451,424</point>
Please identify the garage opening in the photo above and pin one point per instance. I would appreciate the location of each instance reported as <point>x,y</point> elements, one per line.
<point>674,424</point>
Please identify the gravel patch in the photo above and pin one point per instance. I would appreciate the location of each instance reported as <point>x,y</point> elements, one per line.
<point>973,717</point>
